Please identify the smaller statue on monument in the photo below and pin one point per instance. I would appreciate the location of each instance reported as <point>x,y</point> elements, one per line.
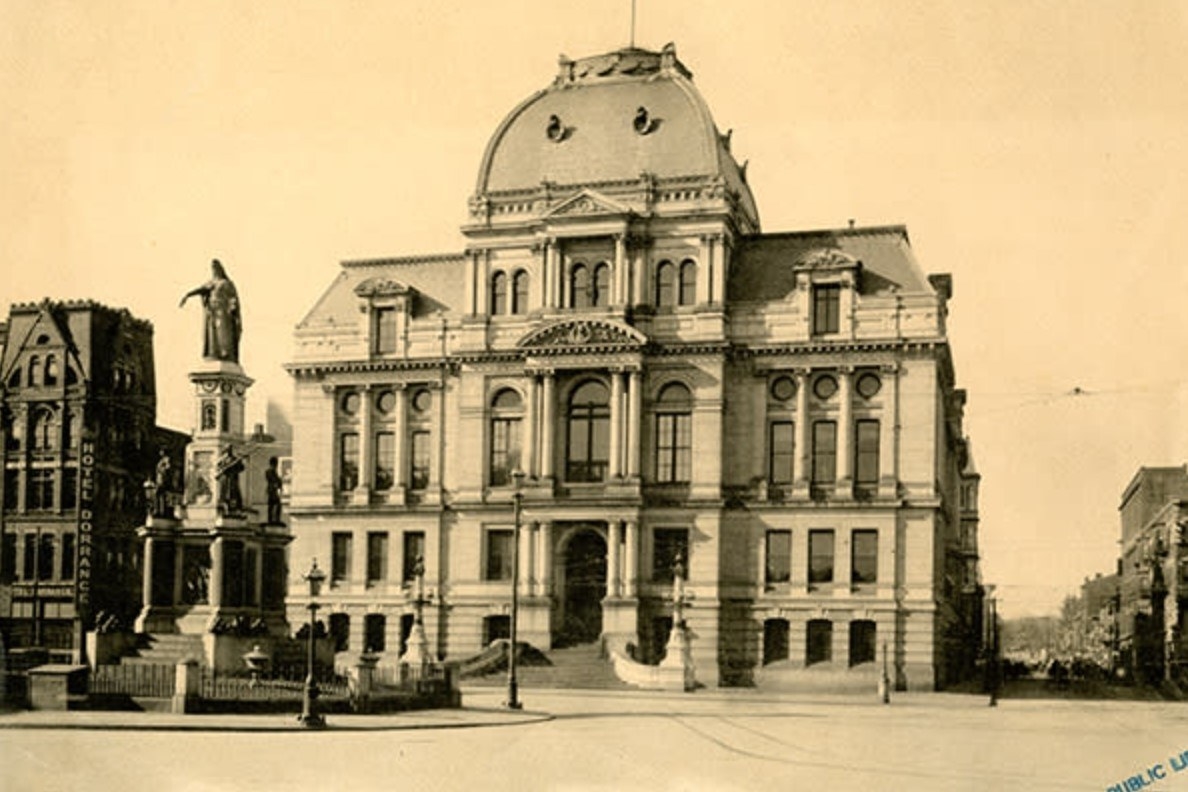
<point>274,484</point>
<point>227,472</point>
<point>163,486</point>
<point>224,323</point>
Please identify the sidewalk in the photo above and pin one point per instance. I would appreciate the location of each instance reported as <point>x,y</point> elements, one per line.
<point>463,718</point>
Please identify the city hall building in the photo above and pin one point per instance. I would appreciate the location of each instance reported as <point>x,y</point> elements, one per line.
<point>777,412</point>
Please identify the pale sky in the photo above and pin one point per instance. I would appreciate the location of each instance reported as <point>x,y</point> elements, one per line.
<point>1037,150</point>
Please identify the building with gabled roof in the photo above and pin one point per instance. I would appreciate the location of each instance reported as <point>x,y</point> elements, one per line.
<point>776,412</point>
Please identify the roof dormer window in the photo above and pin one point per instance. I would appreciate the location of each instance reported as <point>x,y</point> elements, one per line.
<point>826,308</point>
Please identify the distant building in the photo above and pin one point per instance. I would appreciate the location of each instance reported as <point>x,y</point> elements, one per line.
<point>778,411</point>
<point>78,400</point>
<point>1153,574</point>
<point>1098,620</point>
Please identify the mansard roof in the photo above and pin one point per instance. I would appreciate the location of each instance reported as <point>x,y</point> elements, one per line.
<point>765,265</point>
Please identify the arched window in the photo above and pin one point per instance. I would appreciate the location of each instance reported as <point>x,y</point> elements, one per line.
<point>601,291</point>
<point>579,287</point>
<point>34,371</point>
<point>498,293</point>
<point>520,292</point>
<point>687,291</point>
<point>665,284</point>
<point>588,448</point>
<point>51,370</point>
<point>674,434</point>
<point>45,431</point>
<point>506,419</point>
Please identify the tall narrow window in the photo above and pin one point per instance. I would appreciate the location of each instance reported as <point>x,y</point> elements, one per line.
<point>51,370</point>
<point>826,308</point>
<point>820,556</point>
<point>866,453</point>
<point>579,287</point>
<point>498,564</point>
<point>45,431</point>
<point>35,371</point>
<point>8,555</point>
<point>781,447</point>
<point>385,330</point>
<point>778,557</point>
<point>665,284</point>
<point>377,557</point>
<point>589,433</point>
<point>669,544</point>
<point>819,642</point>
<point>340,556</point>
<point>69,488</point>
<point>374,629</point>
<point>498,293</point>
<point>348,461</point>
<point>41,490</point>
<point>29,567</point>
<point>864,548</point>
<point>414,550</point>
<point>385,460</point>
<point>600,288</point>
<point>506,414</point>
<point>520,293</point>
<point>45,558</point>
<point>674,446</point>
<point>824,452</point>
<point>12,480</point>
<point>862,641</point>
<point>419,474</point>
<point>687,288</point>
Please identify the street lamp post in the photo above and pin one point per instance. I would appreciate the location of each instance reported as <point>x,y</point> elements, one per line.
<point>513,693</point>
<point>309,717</point>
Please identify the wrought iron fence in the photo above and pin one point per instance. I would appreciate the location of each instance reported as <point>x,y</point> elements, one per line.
<point>281,684</point>
<point>149,681</point>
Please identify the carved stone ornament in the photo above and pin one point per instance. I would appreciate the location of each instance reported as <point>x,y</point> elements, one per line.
<point>381,287</point>
<point>581,333</point>
<point>585,203</point>
<point>825,258</point>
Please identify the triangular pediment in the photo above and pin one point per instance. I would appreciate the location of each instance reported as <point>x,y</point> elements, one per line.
<point>583,333</point>
<point>585,203</point>
<point>42,335</point>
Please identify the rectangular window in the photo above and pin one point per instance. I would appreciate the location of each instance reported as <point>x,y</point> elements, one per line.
<point>669,544</point>
<point>8,554</point>
<point>778,563</point>
<point>820,556</point>
<point>674,449</point>
<point>419,475</point>
<point>45,558</point>
<point>781,446</point>
<point>29,567</point>
<point>385,330</point>
<point>348,462</point>
<point>377,557</point>
<point>340,563</point>
<point>69,488</point>
<point>414,549</point>
<point>826,309</point>
<point>385,461</point>
<point>862,642</point>
<point>819,643</point>
<point>866,453</point>
<point>67,556</point>
<point>41,490</point>
<point>505,450</point>
<point>864,555</point>
<point>824,452</point>
<point>12,481</point>
<point>498,555</point>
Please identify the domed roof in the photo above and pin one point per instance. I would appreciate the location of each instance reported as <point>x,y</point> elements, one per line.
<point>611,118</point>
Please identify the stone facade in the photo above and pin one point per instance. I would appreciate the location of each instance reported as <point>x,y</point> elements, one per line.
<point>777,410</point>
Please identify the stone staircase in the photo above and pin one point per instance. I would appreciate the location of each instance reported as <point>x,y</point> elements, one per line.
<point>167,649</point>
<point>581,666</point>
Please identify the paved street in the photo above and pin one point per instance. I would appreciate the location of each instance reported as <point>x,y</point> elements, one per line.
<point>737,740</point>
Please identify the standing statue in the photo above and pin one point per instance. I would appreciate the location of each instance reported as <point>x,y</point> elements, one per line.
<point>274,483</point>
<point>227,470</point>
<point>224,324</point>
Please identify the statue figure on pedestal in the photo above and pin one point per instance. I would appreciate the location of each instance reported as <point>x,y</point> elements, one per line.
<point>224,324</point>
<point>274,484</point>
<point>227,472</point>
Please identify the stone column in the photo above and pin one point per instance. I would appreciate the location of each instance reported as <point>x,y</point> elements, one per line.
<point>638,275</point>
<point>527,561</point>
<point>845,425</point>
<point>704,270</point>
<point>888,453</point>
<point>616,426</point>
<point>528,453</point>
<point>717,258</point>
<point>548,427</point>
<point>800,455</point>
<point>215,591</point>
<point>613,577</point>
<point>544,558</point>
<point>366,441</point>
<point>258,574</point>
<point>147,595</point>
<point>179,551</point>
<point>620,286</point>
<point>553,270</point>
<point>634,408</point>
<point>631,559</point>
<point>400,482</point>
<point>469,285</point>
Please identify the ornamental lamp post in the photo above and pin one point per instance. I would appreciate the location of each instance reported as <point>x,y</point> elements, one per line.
<point>309,716</point>
<point>513,698</point>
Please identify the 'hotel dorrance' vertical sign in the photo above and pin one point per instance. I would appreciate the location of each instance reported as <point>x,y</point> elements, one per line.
<point>86,512</point>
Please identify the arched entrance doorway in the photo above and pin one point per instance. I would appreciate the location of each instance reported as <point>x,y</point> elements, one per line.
<point>585,586</point>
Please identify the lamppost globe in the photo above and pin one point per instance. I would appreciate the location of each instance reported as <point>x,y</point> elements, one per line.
<point>315,577</point>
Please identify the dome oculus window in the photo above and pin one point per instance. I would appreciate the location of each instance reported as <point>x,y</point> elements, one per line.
<point>555,131</point>
<point>643,121</point>
<point>825,387</point>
